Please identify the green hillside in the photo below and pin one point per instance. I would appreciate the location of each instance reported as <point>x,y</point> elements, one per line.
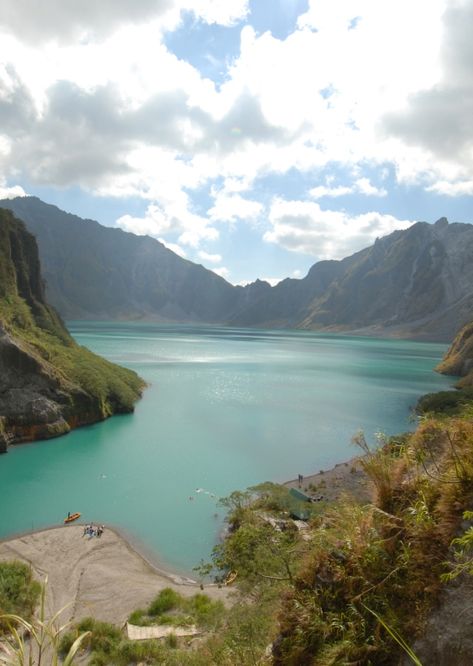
<point>48,383</point>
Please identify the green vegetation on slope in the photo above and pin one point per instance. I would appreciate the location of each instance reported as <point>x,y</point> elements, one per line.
<point>356,585</point>
<point>107,645</point>
<point>459,358</point>
<point>19,593</point>
<point>85,386</point>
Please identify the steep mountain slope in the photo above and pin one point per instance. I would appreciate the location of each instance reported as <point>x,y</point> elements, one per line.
<point>96,272</point>
<point>414,283</point>
<point>48,384</point>
<point>459,358</point>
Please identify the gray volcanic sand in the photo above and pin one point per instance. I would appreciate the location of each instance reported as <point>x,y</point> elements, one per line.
<point>102,577</point>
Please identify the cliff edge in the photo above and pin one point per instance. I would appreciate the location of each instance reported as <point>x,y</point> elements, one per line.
<point>48,383</point>
<point>459,358</point>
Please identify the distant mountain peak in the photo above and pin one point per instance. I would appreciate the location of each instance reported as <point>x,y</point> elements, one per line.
<point>416,282</point>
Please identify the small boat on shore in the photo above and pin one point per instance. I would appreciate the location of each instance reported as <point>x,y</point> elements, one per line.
<point>230,578</point>
<point>71,517</point>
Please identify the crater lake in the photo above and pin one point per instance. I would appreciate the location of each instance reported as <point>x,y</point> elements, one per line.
<point>225,409</point>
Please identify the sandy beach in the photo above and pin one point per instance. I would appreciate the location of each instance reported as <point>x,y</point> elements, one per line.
<point>104,577</point>
<point>108,578</point>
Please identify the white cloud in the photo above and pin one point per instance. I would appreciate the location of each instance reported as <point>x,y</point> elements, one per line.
<point>437,118</point>
<point>138,121</point>
<point>211,258</point>
<point>231,207</point>
<point>455,189</point>
<point>303,226</point>
<point>273,281</point>
<point>120,97</point>
<point>364,186</point>
<point>174,247</point>
<point>216,11</point>
<point>222,271</point>
<point>173,217</point>
<point>360,186</point>
<point>327,191</point>
<point>89,20</point>
<point>7,192</point>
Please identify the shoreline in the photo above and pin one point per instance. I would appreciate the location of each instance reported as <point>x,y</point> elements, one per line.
<point>347,477</point>
<point>106,577</point>
<point>126,551</point>
<point>112,575</point>
<point>133,544</point>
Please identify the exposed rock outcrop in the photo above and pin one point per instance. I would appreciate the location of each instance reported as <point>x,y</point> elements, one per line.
<point>100,273</point>
<point>416,283</point>
<point>46,380</point>
<point>459,358</point>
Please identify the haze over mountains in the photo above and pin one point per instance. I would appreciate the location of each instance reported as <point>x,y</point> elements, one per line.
<point>416,283</point>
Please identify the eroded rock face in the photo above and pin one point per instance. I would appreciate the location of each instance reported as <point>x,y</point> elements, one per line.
<point>33,404</point>
<point>459,358</point>
<point>448,635</point>
<point>415,283</point>
<point>42,393</point>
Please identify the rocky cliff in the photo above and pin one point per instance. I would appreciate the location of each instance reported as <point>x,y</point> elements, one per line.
<point>48,384</point>
<point>459,358</point>
<point>100,273</point>
<point>416,283</point>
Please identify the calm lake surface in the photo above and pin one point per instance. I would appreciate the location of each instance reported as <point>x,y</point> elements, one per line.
<point>225,409</point>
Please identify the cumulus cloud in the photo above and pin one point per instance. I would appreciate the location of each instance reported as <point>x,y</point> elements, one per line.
<point>66,20</point>
<point>303,226</point>
<point>10,192</point>
<point>131,94</point>
<point>211,258</point>
<point>360,186</point>
<point>231,207</point>
<point>104,134</point>
<point>439,118</point>
<point>216,11</point>
<point>103,104</point>
<point>173,217</point>
<point>222,271</point>
<point>460,188</point>
<point>174,247</point>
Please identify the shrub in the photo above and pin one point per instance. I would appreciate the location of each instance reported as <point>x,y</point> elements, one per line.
<point>19,592</point>
<point>166,600</point>
<point>445,402</point>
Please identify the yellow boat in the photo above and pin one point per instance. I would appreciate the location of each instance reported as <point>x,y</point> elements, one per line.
<point>230,578</point>
<point>71,517</point>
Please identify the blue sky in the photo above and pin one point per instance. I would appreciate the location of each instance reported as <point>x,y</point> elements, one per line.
<point>253,136</point>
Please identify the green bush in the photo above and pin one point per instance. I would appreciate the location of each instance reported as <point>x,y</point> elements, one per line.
<point>139,618</point>
<point>19,592</point>
<point>445,402</point>
<point>166,600</point>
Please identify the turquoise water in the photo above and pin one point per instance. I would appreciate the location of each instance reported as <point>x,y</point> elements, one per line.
<point>225,409</point>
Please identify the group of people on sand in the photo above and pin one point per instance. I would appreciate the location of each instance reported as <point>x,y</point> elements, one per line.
<point>93,531</point>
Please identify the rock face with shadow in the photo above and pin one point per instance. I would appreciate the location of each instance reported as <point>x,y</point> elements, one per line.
<point>102,273</point>
<point>459,358</point>
<point>416,283</point>
<point>48,384</point>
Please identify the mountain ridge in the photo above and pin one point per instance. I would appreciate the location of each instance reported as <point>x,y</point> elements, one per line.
<point>414,283</point>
